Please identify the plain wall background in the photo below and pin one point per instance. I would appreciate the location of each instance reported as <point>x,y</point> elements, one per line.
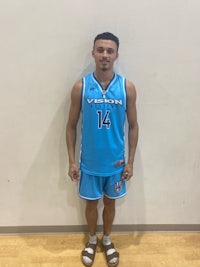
<point>45,46</point>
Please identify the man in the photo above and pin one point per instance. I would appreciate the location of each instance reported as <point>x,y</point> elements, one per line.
<point>105,99</point>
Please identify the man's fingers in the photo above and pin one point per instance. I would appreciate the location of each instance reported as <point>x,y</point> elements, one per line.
<point>74,175</point>
<point>125,175</point>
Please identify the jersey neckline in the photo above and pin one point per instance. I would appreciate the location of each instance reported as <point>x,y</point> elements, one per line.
<point>104,90</point>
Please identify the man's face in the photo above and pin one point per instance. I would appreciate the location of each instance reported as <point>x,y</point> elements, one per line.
<point>105,53</point>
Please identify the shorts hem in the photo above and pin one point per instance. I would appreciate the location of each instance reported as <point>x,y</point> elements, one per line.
<point>90,198</point>
<point>116,197</point>
<point>97,198</point>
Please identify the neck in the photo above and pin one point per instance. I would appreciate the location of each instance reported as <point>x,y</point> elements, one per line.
<point>104,76</point>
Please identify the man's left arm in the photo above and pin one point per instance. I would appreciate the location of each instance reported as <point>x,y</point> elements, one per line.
<point>132,130</point>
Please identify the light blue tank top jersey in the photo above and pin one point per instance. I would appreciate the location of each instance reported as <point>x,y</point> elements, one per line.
<point>103,123</point>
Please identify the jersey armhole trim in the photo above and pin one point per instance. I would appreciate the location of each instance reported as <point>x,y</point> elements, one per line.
<point>125,93</point>
<point>82,93</point>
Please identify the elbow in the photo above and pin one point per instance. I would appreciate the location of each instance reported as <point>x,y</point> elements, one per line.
<point>134,126</point>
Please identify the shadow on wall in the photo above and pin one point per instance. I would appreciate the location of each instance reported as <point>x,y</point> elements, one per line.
<point>48,194</point>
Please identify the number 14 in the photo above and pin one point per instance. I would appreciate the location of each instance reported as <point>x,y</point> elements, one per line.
<point>103,120</point>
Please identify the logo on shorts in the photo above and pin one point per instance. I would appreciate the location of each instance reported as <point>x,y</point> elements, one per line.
<point>118,187</point>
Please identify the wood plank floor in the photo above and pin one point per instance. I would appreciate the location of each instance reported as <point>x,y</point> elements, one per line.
<point>136,250</point>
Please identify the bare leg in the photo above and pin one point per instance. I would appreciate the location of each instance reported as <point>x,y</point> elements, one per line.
<point>108,215</point>
<point>91,214</point>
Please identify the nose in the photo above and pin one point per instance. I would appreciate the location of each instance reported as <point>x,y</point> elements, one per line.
<point>105,53</point>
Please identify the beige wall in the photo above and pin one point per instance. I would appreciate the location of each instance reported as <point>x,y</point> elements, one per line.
<point>44,48</point>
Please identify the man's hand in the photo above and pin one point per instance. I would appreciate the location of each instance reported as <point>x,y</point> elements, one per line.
<point>127,172</point>
<point>74,172</point>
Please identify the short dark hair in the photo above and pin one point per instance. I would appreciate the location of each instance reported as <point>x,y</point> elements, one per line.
<point>107,36</point>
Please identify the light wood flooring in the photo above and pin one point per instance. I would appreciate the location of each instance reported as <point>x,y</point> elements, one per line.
<point>136,250</point>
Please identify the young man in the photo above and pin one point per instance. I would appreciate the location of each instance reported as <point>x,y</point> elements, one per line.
<point>105,100</point>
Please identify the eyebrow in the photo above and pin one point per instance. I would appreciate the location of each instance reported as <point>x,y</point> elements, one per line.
<point>102,48</point>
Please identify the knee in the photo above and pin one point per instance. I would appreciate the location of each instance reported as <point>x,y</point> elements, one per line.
<point>91,204</point>
<point>108,202</point>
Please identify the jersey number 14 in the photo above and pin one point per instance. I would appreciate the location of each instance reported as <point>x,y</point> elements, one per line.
<point>103,119</point>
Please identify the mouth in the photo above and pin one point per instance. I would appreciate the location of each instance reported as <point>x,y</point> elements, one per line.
<point>104,61</point>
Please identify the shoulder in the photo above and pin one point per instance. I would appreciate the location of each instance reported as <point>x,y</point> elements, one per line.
<point>77,88</point>
<point>130,89</point>
<point>77,85</point>
<point>76,93</point>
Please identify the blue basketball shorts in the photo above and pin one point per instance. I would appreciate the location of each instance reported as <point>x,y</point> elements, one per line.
<point>94,187</point>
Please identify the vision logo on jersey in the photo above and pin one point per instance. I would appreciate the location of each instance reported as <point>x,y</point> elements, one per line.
<point>104,100</point>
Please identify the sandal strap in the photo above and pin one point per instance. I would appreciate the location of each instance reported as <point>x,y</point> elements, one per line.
<point>112,256</point>
<point>87,254</point>
<point>107,247</point>
<point>92,246</point>
<point>115,254</point>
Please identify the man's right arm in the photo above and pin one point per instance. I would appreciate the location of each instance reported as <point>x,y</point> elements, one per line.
<point>73,118</point>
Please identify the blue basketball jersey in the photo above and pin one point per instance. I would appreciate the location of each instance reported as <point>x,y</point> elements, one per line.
<point>103,123</point>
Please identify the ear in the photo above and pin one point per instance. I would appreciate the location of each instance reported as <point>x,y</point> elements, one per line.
<point>92,52</point>
<point>117,55</point>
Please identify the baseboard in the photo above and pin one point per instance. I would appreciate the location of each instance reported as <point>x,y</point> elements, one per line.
<point>84,229</point>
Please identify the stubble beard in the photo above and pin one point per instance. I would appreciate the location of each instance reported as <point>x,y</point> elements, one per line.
<point>104,69</point>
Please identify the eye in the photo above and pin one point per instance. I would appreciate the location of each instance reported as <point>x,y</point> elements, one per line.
<point>100,49</point>
<point>110,51</point>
